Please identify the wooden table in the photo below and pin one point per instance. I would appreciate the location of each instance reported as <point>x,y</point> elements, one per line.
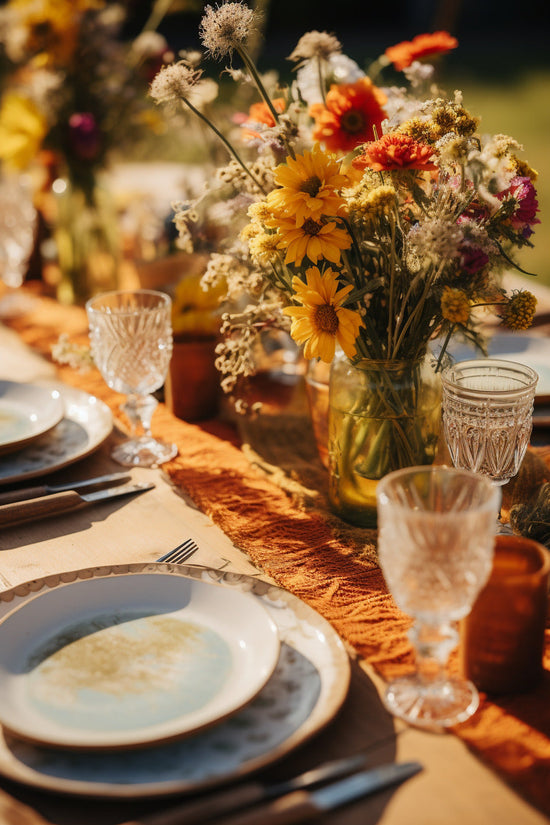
<point>454,787</point>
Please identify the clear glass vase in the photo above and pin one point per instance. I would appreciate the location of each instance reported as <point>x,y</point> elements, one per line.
<point>383,416</point>
<point>87,241</point>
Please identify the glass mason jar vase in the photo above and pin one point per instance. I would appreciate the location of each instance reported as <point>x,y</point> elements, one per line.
<point>87,241</point>
<point>383,416</point>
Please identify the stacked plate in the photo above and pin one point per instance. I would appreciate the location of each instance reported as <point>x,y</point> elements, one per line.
<point>46,427</point>
<point>151,679</point>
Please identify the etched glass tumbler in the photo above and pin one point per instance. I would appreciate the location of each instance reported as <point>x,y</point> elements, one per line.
<point>131,342</point>
<point>488,415</point>
<point>436,545</point>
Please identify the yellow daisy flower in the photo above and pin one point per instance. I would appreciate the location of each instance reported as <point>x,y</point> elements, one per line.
<point>313,240</point>
<point>309,186</point>
<point>320,321</point>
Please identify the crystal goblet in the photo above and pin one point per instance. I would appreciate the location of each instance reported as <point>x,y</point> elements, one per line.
<point>17,234</point>
<point>131,342</point>
<point>436,544</point>
<point>488,415</point>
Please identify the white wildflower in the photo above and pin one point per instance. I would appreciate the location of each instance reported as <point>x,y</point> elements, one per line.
<point>419,74</point>
<point>204,93</point>
<point>227,27</point>
<point>77,356</point>
<point>338,68</point>
<point>315,44</point>
<point>192,57</point>
<point>149,44</point>
<point>174,82</point>
<point>434,239</point>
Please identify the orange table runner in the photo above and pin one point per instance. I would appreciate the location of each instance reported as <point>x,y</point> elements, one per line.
<point>334,570</point>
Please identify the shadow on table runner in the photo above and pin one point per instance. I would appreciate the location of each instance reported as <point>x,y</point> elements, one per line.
<point>275,510</point>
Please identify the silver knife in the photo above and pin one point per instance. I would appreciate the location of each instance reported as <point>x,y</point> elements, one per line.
<point>290,801</point>
<point>25,493</point>
<point>241,796</point>
<point>45,506</point>
<point>300,806</point>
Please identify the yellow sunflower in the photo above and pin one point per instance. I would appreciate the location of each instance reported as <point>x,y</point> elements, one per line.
<point>313,240</point>
<point>309,186</point>
<point>320,321</point>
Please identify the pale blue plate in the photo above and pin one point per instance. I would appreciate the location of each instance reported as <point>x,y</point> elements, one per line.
<point>116,663</point>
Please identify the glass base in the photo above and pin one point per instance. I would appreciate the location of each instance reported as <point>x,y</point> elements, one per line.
<point>144,452</point>
<point>431,705</point>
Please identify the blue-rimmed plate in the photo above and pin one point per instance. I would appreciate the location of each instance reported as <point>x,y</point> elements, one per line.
<point>131,661</point>
<point>307,689</point>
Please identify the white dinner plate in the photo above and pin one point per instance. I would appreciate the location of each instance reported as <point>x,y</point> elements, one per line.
<point>85,425</point>
<point>306,690</point>
<point>532,350</point>
<point>27,411</point>
<point>132,660</point>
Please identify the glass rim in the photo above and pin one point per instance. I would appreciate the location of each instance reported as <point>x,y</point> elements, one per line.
<point>491,502</point>
<point>513,366</point>
<point>165,300</point>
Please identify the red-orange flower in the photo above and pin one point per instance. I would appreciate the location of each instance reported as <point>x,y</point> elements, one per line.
<point>395,151</point>
<point>421,46</point>
<point>260,113</point>
<point>351,113</point>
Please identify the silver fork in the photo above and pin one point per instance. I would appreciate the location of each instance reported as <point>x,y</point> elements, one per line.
<point>181,553</point>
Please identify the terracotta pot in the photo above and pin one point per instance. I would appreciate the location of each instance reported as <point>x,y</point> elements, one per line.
<point>192,387</point>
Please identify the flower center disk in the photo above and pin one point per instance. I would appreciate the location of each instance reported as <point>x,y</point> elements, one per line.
<point>326,319</point>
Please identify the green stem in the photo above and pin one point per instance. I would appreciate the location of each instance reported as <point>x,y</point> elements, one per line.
<point>391,287</point>
<point>444,347</point>
<point>321,80</point>
<point>419,306</point>
<point>225,142</point>
<point>249,63</point>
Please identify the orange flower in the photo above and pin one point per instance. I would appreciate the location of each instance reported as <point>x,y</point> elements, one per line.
<point>259,112</point>
<point>423,45</point>
<point>395,151</point>
<point>351,112</point>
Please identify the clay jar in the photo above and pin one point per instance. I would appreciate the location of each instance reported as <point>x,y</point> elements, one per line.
<point>192,388</point>
<point>502,639</point>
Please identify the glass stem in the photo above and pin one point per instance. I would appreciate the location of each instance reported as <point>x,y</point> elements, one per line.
<point>139,410</point>
<point>432,644</point>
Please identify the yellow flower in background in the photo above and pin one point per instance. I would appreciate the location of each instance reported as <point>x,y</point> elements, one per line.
<point>195,311</point>
<point>309,186</point>
<point>22,130</point>
<point>321,321</point>
<point>52,26</point>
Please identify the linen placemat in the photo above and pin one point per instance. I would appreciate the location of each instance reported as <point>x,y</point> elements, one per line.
<point>277,514</point>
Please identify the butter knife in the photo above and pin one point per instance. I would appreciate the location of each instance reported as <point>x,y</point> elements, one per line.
<point>25,493</point>
<point>22,511</point>
<point>288,801</point>
<point>300,806</point>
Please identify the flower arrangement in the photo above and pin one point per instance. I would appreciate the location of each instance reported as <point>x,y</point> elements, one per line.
<point>367,215</point>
